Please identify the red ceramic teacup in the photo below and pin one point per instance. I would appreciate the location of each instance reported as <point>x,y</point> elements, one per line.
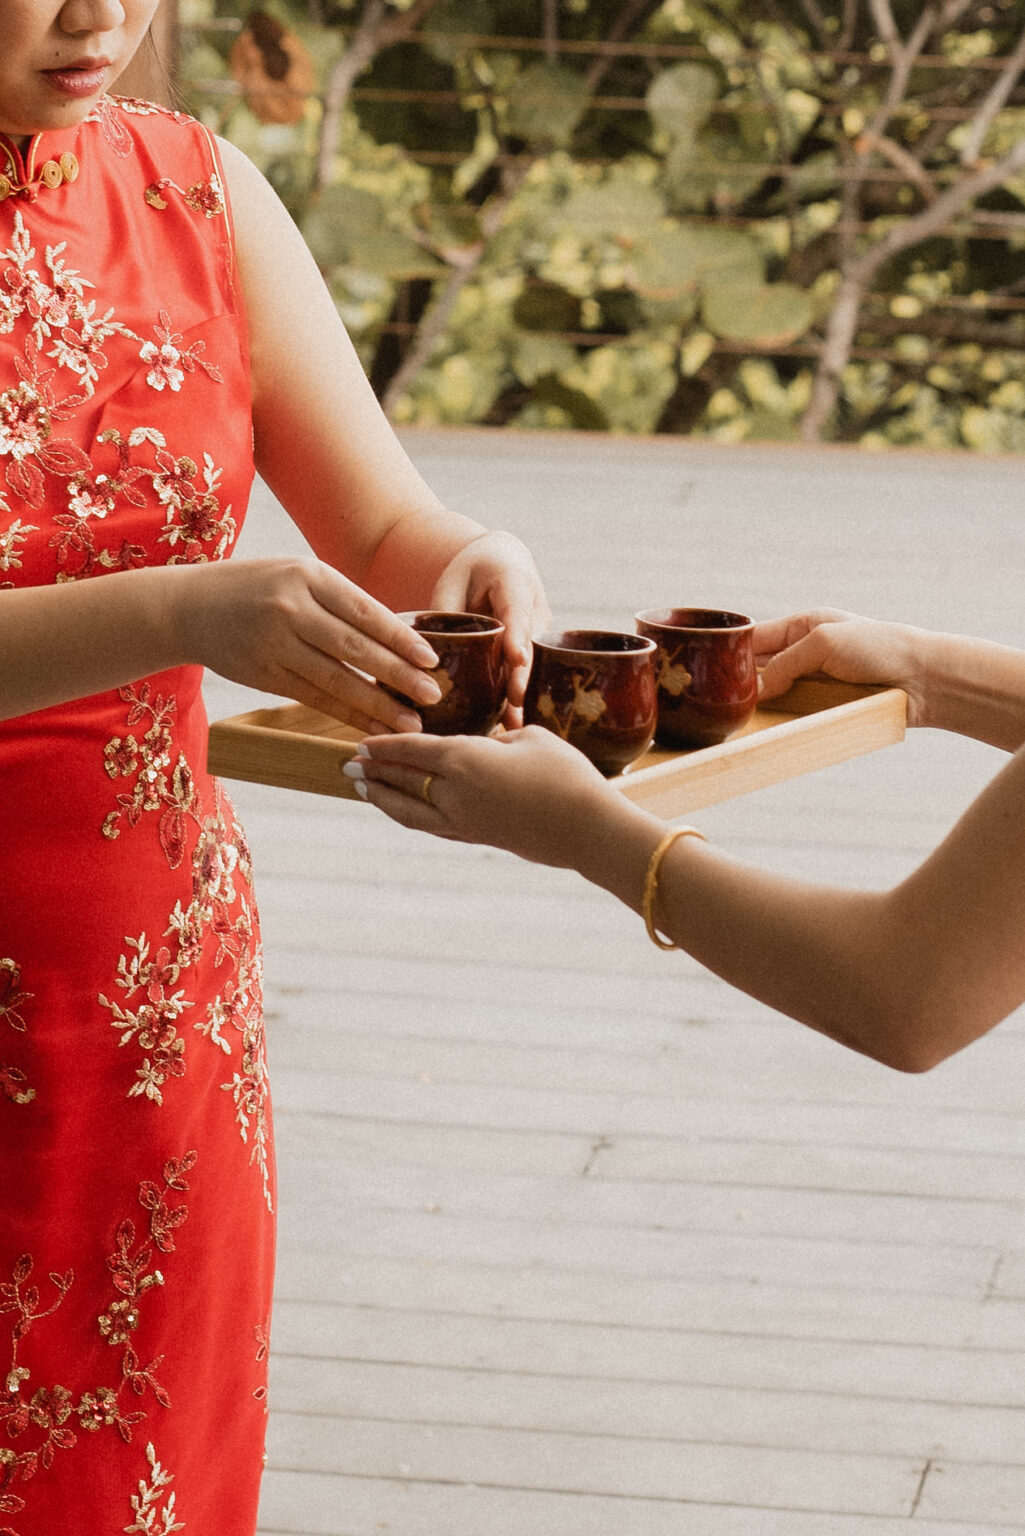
<point>707,680</point>
<point>471,672</point>
<point>595,689</point>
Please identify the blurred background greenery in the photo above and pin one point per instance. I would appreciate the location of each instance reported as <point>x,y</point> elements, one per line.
<point>736,219</point>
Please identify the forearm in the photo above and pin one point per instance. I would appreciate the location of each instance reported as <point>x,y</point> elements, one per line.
<point>408,560</point>
<point>974,688</point>
<point>907,976</point>
<point>79,638</point>
<point>822,955</point>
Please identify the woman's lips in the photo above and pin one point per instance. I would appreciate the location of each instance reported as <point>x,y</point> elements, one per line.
<point>76,79</point>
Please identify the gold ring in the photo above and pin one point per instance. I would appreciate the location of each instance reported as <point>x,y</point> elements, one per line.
<point>425,787</point>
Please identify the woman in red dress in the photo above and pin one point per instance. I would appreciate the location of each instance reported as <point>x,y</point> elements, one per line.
<point>153,347</point>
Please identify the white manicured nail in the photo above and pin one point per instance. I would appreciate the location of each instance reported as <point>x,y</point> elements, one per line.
<point>353,770</point>
<point>361,789</point>
<point>362,750</point>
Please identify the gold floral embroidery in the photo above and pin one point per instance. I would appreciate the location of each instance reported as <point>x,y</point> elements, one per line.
<point>154,1008</point>
<point>587,703</point>
<point>107,112</point>
<point>262,1335</point>
<point>11,998</point>
<point>193,514</point>
<point>44,1416</point>
<point>170,362</point>
<point>13,1085</point>
<point>147,761</point>
<point>249,1088</point>
<point>154,1023</point>
<point>148,1519</point>
<point>205,197</point>
<point>10,539</point>
<point>66,348</point>
<point>12,1079</point>
<point>49,1408</point>
<point>115,133</point>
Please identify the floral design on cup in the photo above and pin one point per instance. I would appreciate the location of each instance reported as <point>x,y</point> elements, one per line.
<point>595,689</point>
<point>707,679</point>
<point>586,704</point>
<point>673,678</point>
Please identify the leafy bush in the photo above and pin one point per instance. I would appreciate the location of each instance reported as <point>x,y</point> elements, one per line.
<point>722,219</point>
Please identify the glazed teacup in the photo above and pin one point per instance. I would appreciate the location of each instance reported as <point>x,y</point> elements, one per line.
<point>471,672</point>
<point>707,680</point>
<point>595,689</point>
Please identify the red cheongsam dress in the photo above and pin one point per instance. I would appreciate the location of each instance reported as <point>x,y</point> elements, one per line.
<point>136,1164</point>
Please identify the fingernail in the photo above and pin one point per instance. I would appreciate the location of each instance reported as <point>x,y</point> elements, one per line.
<point>361,789</point>
<point>761,685</point>
<point>427,690</point>
<point>408,720</point>
<point>361,750</point>
<point>423,655</point>
<point>353,770</point>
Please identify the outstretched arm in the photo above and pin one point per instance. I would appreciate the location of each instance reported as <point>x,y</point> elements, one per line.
<point>908,976</point>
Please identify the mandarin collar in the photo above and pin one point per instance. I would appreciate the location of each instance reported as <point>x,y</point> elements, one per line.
<point>47,162</point>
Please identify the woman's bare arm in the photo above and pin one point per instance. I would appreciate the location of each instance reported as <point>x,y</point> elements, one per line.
<point>953,682</point>
<point>327,451</point>
<point>293,627</point>
<point>907,976</point>
<point>322,443</point>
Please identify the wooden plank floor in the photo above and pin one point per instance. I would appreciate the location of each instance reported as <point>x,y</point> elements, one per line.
<point>575,1241</point>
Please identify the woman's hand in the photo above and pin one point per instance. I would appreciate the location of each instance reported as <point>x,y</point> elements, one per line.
<point>495,574</point>
<point>300,628</point>
<point>525,791</point>
<point>844,646</point>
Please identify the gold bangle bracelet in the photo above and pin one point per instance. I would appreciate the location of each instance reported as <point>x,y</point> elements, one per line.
<point>651,881</point>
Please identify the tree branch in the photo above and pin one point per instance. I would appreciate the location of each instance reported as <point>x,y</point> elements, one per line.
<point>843,319</point>
<point>363,47</point>
<point>439,311</point>
<point>999,92</point>
<point>903,160</point>
<point>813,12</point>
<point>432,325</point>
<point>633,13</point>
<point>848,26</point>
<point>377,30</point>
<point>946,207</point>
<point>550,30</point>
<point>902,58</point>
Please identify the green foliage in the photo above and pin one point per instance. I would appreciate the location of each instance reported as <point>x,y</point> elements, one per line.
<point>639,241</point>
<point>347,227</point>
<point>773,314</point>
<point>544,104</point>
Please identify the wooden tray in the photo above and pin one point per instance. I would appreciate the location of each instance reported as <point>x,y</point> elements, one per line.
<point>814,725</point>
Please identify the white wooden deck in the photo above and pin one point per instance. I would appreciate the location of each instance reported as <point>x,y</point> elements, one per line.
<point>575,1241</point>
